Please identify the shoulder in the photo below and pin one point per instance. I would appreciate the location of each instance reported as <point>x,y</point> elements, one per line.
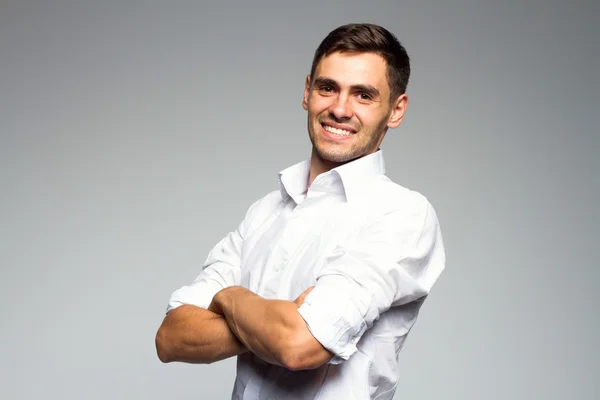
<point>264,204</point>
<point>401,216</point>
<point>386,197</point>
<point>262,208</point>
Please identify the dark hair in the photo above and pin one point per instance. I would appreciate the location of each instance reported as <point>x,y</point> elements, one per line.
<point>369,38</point>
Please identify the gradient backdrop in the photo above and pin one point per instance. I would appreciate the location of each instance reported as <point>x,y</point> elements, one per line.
<point>134,135</point>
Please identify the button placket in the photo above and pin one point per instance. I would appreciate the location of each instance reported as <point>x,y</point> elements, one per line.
<point>287,238</point>
<point>278,266</point>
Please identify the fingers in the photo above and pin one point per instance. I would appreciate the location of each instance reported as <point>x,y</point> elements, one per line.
<point>300,299</point>
<point>213,307</point>
<point>307,291</point>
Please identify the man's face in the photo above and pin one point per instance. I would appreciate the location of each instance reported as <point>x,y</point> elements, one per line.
<point>348,104</point>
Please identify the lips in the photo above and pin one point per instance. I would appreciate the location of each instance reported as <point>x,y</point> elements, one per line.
<point>335,134</point>
<point>336,131</point>
<point>338,128</point>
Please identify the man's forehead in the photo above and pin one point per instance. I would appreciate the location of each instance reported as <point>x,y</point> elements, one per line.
<point>353,68</point>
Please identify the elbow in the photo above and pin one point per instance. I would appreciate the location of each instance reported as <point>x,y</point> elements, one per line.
<point>299,361</point>
<point>299,354</point>
<point>289,359</point>
<point>295,362</point>
<point>163,348</point>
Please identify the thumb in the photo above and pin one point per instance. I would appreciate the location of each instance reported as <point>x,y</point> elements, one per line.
<point>302,296</point>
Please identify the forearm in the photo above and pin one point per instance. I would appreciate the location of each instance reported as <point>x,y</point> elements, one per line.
<point>194,335</point>
<point>271,329</point>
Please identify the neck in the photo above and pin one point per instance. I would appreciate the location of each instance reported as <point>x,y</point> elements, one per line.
<point>319,166</point>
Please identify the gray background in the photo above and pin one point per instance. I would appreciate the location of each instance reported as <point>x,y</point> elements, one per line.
<point>135,134</point>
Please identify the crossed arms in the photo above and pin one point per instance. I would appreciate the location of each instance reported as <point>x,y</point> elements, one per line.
<point>238,321</point>
<point>393,261</point>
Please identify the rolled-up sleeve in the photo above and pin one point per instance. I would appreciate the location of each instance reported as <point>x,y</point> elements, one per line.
<point>221,269</point>
<point>393,261</point>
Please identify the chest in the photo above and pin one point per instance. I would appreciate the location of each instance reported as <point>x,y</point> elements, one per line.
<point>284,256</point>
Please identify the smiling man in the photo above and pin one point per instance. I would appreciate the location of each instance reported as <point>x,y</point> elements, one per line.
<point>318,287</point>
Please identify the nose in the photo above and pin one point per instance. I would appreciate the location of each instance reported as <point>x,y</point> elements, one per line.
<point>341,108</point>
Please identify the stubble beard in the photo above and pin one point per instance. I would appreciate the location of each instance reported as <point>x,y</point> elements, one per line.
<point>335,154</point>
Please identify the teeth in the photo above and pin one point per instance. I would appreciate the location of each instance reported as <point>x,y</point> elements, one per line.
<point>337,131</point>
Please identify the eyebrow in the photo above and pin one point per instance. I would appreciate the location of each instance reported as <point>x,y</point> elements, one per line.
<point>370,90</point>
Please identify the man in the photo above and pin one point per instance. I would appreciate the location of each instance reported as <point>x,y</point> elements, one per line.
<point>318,287</point>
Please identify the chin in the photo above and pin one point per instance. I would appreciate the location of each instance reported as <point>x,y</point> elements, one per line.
<point>333,156</point>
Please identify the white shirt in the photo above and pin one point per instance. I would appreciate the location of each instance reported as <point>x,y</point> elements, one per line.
<point>372,249</point>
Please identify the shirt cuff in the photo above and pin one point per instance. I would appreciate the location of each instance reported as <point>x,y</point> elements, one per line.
<point>338,327</point>
<point>199,294</point>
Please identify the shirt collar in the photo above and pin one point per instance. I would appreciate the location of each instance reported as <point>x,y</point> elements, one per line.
<point>293,181</point>
<point>346,179</point>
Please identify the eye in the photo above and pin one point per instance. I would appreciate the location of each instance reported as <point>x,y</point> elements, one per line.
<point>326,89</point>
<point>364,96</point>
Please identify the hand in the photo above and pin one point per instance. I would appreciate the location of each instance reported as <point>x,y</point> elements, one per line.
<point>300,299</point>
<point>215,307</point>
<point>220,300</point>
<point>216,304</point>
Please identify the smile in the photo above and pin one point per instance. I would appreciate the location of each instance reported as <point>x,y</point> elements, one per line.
<point>337,131</point>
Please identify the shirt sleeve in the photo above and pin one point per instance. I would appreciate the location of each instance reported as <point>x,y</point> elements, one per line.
<point>221,269</point>
<point>391,262</point>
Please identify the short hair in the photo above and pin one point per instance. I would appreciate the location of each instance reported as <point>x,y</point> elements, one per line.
<point>369,38</point>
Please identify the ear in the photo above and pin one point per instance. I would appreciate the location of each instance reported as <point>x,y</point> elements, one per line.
<point>306,93</point>
<point>398,110</point>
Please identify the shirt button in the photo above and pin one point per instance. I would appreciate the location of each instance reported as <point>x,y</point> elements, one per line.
<point>278,266</point>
